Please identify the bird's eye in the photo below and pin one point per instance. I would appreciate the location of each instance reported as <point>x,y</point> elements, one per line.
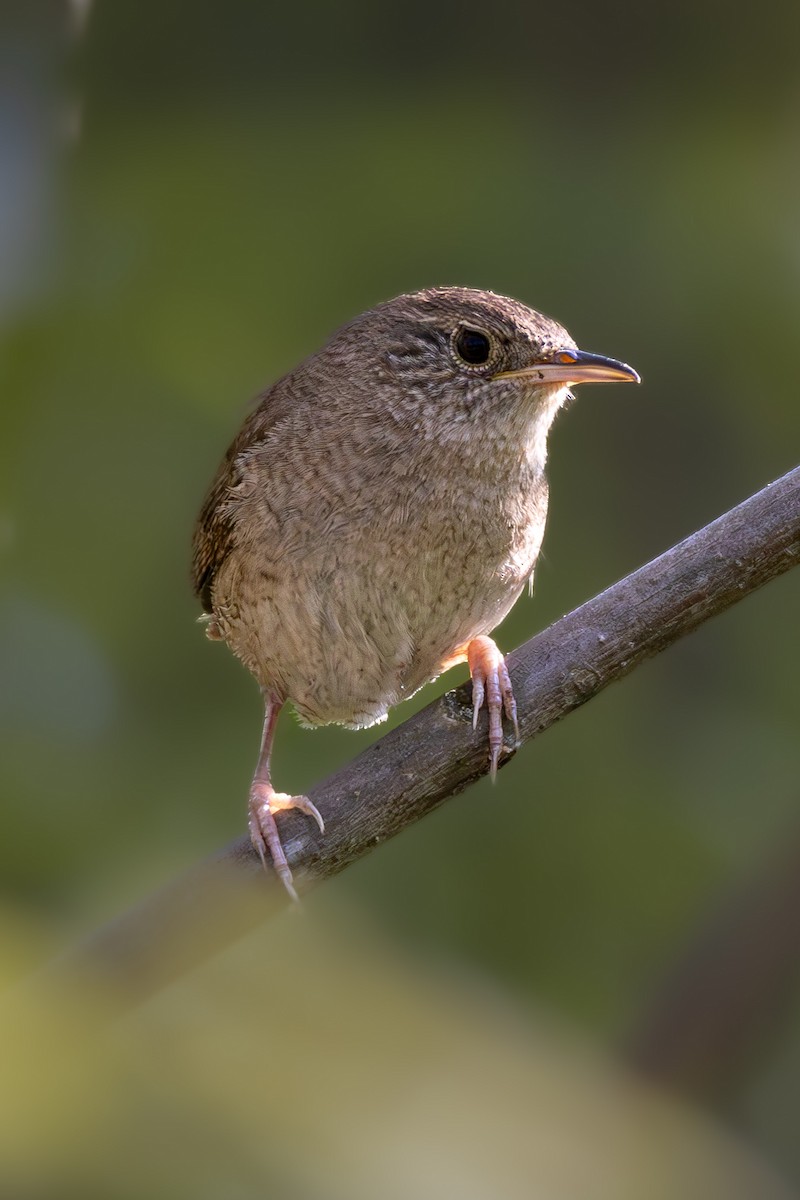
<point>473,347</point>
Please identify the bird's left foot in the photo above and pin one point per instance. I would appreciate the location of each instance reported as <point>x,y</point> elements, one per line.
<point>265,802</point>
<point>491,683</point>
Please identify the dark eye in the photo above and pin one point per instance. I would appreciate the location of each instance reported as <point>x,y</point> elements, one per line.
<point>473,347</point>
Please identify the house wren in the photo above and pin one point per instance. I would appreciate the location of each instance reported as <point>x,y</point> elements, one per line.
<point>381,510</point>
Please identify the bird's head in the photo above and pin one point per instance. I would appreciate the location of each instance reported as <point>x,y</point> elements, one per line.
<point>447,360</point>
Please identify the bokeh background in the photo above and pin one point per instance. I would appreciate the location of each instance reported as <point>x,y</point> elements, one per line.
<point>192,196</point>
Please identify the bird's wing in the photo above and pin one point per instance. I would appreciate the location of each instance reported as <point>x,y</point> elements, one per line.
<point>215,533</point>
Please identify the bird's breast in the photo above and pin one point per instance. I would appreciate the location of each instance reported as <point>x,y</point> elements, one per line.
<point>348,604</point>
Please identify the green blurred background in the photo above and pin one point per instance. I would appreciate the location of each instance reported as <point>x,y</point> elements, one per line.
<point>192,196</point>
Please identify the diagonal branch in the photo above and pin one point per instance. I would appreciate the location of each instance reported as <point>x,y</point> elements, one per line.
<point>435,754</point>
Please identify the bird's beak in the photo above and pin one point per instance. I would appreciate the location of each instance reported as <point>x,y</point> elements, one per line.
<point>573,367</point>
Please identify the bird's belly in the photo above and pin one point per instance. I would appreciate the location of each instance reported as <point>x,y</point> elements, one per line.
<point>346,641</point>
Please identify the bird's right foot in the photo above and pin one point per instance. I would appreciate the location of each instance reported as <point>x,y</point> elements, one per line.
<point>264,803</point>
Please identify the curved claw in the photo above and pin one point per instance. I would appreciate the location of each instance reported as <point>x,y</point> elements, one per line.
<point>478,693</point>
<point>281,803</point>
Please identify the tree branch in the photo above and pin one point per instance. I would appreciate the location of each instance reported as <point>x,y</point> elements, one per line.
<point>435,754</point>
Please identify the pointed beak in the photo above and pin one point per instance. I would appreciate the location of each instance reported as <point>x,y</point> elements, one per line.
<point>573,367</point>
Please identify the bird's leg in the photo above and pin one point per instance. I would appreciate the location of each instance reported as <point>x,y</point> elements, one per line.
<point>265,802</point>
<point>491,682</point>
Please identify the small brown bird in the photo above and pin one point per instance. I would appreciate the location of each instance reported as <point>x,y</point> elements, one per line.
<point>381,510</point>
